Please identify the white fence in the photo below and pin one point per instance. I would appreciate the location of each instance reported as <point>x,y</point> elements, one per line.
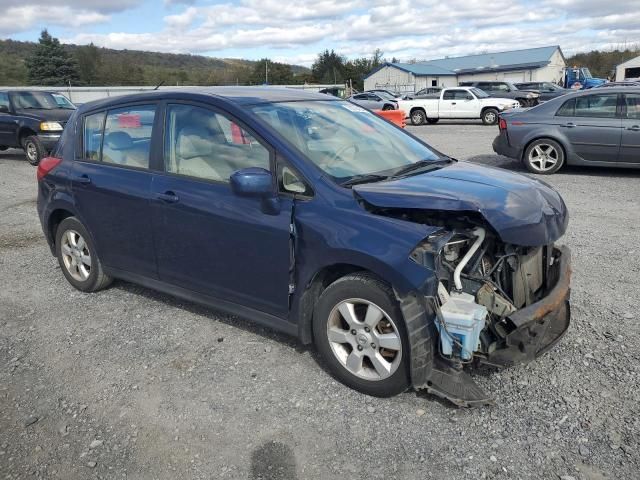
<point>79,95</point>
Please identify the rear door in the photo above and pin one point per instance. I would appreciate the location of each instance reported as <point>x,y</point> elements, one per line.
<point>630,142</point>
<point>111,184</point>
<point>593,126</point>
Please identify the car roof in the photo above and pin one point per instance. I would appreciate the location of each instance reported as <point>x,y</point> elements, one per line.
<point>238,95</point>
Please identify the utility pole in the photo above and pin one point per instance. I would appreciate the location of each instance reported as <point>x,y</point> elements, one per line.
<point>266,71</point>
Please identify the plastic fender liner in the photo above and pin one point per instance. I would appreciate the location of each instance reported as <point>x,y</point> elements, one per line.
<point>428,371</point>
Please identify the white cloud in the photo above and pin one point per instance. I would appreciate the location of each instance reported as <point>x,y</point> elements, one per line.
<point>406,29</point>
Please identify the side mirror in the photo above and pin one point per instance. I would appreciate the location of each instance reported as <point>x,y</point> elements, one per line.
<point>252,182</point>
<point>4,109</point>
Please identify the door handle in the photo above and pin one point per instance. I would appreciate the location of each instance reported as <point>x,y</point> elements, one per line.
<point>168,197</point>
<point>81,179</point>
<point>634,128</point>
<point>569,125</point>
<point>453,103</point>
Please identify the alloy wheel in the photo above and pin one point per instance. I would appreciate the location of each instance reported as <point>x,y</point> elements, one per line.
<point>364,339</point>
<point>32,151</point>
<point>490,117</point>
<point>543,157</point>
<point>75,255</point>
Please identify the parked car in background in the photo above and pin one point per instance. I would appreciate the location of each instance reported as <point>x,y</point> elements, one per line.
<point>457,102</point>
<point>619,84</point>
<point>506,90</point>
<point>315,217</point>
<point>595,127</point>
<point>387,93</point>
<point>374,101</point>
<point>547,90</point>
<point>427,92</point>
<point>33,121</point>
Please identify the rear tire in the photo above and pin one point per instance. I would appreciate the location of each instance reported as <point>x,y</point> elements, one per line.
<point>490,116</point>
<point>34,149</point>
<point>418,116</point>
<point>366,347</point>
<point>432,120</point>
<point>77,257</point>
<point>544,156</point>
<point>3,148</point>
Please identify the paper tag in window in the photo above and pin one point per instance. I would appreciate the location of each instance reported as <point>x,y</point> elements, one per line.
<point>354,108</point>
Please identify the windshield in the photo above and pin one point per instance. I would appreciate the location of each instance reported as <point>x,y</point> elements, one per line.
<point>479,93</point>
<point>38,101</point>
<point>586,73</point>
<point>342,139</point>
<point>63,102</point>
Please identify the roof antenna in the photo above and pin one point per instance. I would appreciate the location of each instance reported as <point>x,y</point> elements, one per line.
<point>159,85</point>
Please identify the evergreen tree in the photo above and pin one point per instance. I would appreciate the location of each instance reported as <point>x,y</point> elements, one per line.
<point>89,60</point>
<point>50,64</point>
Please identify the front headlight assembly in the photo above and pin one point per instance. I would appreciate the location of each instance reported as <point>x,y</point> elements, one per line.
<point>50,127</point>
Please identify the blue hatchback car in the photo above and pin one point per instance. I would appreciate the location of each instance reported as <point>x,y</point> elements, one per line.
<point>315,217</point>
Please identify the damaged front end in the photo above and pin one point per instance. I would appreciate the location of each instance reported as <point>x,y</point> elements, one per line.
<point>496,304</point>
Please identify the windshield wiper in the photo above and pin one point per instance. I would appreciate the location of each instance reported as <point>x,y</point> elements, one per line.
<point>365,178</point>
<point>420,165</point>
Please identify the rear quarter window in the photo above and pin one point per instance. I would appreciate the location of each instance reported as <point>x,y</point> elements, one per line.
<point>567,108</point>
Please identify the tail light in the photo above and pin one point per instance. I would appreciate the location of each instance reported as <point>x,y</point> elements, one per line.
<point>502,125</point>
<point>46,165</point>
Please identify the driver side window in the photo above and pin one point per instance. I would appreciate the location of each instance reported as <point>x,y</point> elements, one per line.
<point>206,144</point>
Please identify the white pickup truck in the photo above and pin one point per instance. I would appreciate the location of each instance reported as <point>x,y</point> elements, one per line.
<point>456,102</point>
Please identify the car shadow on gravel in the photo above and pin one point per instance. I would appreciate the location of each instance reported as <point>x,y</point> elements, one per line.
<point>17,155</point>
<point>212,314</point>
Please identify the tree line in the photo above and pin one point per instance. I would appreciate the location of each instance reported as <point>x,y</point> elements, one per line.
<point>51,63</point>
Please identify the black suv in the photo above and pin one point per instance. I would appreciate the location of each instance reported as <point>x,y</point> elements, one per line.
<point>506,90</point>
<point>32,120</point>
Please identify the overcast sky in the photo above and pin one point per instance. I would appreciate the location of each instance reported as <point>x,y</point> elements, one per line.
<point>296,30</point>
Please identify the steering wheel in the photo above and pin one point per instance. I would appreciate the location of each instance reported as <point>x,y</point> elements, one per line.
<point>338,154</point>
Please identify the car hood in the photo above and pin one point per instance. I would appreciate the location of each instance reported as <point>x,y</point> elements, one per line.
<point>46,115</point>
<point>521,210</point>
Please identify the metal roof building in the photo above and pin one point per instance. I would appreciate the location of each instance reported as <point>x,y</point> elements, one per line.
<point>543,64</point>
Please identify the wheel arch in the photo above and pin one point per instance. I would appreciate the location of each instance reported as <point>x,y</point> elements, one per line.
<point>55,218</point>
<point>314,288</point>
<point>25,132</point>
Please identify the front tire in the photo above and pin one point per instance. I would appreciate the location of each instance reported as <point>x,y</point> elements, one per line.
<point>418,117</point>
<point>544,156</point>
<point>490,116</point>
<point>359,331</point>
<point>78,258</point>
<point>34,149</point>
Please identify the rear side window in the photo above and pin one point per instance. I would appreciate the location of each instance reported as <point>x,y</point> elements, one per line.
<point>632,105</point>
<point>127,136</point>
<point>205,144</point>
<point>92,136</point>
<point>4,100</point>
<point>567,108</point>
<point>597,106</point>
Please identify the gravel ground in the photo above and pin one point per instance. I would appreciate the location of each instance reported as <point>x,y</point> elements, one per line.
<point>128,383</point>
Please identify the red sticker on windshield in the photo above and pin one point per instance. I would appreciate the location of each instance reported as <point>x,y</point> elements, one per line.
<point>129,120</point>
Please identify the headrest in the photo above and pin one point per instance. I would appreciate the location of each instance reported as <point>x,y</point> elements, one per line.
<point>194,142</point>
<point>118,141</point>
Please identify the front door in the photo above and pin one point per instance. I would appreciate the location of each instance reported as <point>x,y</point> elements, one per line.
<point>593,127</point>
<point>111,184</point>
<point>208,239</point>
<point>630,143</point>
<point>8,123</point>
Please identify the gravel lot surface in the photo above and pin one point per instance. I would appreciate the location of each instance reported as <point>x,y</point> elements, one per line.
<point>128,383</point>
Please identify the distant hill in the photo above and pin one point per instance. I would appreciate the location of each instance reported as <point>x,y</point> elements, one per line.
<point>603,63</point>
<point>105,66</point>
